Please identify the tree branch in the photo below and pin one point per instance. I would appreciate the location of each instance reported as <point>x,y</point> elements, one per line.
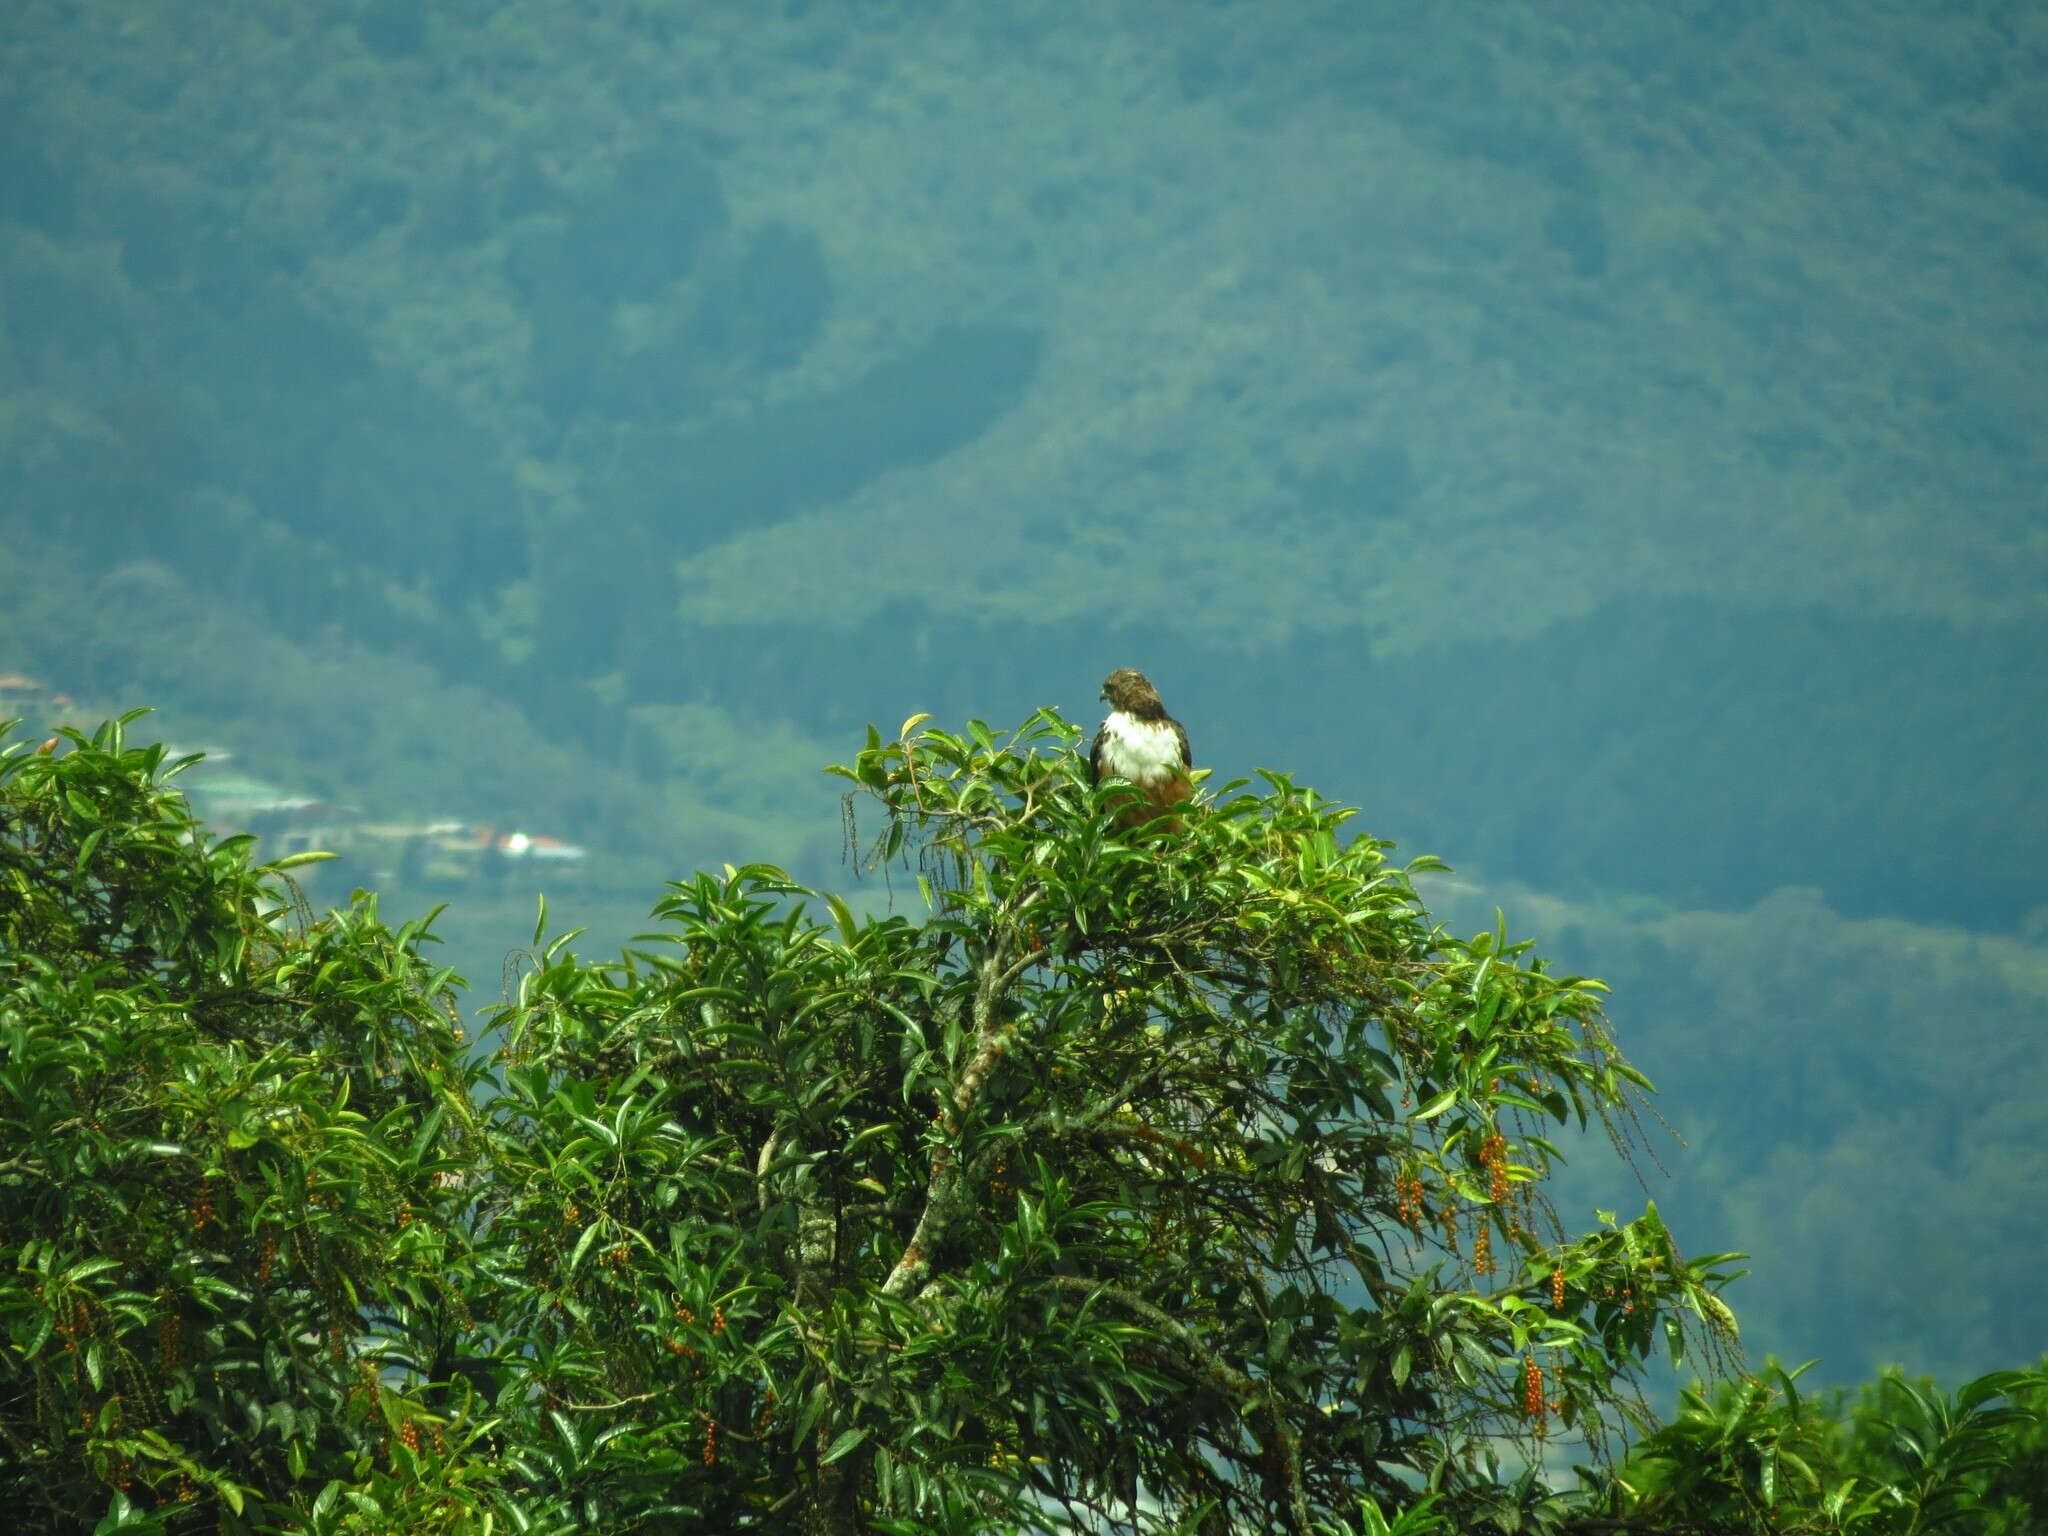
<point>1219,1371</point>
<point>944,1189</point>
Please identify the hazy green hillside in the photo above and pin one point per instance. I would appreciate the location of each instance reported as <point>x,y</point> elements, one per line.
<point>1850,1093</point>
<point>1669,373</point>
<point>1607,445</point>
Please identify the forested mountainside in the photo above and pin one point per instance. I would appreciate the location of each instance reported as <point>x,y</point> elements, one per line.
<point>1611,441</point>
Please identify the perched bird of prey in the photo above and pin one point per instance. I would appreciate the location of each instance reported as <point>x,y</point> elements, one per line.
<point>1141,742</point>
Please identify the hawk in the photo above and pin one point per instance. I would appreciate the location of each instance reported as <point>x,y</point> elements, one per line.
<point>1141,742</point>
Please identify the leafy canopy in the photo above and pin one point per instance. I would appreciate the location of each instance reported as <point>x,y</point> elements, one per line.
<point>1189,1170</point>
<point>217,1122</point>
<point>1186,1176</point>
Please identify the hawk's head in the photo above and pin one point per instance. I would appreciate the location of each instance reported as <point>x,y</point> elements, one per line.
<point>1127,689</point>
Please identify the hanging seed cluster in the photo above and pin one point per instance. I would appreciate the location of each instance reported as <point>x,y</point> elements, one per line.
<point>1409,1209</point>
<point>1493,1157</point>
<point>677,1347</point>
<point>202,1209</point>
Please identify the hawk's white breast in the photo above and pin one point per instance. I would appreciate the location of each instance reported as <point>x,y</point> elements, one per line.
<point>1143,751</point>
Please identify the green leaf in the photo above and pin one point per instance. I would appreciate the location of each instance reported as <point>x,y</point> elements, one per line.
<point>845,1442</point>
<point>1436,1106</point>
<point>294,860</point>
<point>124,1519</point>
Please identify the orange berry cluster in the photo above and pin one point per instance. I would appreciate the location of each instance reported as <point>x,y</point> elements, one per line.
<point>1482,1251</point>
<point>1493,1157</point>
<point>676,1346</point>
<point>1626,1296</point>
<point>1533,1403</point>
<point>266,1259</point>
<point>1557,1289</point>
<point>710,1442</point>
<point>717,1318</point>
<point>1408,1206</point>
<point>202,1208</point>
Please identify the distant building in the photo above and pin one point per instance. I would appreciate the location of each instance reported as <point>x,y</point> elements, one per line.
<point>301,825</point>
<point>455,852</point>
<point>229,800</point>
<point>540,850</point>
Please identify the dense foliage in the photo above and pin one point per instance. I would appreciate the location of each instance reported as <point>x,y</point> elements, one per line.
<point>1901,1457</point>
<point>1185,1178</point>
<point>230,1136</point>
<point>1199,1167</point>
